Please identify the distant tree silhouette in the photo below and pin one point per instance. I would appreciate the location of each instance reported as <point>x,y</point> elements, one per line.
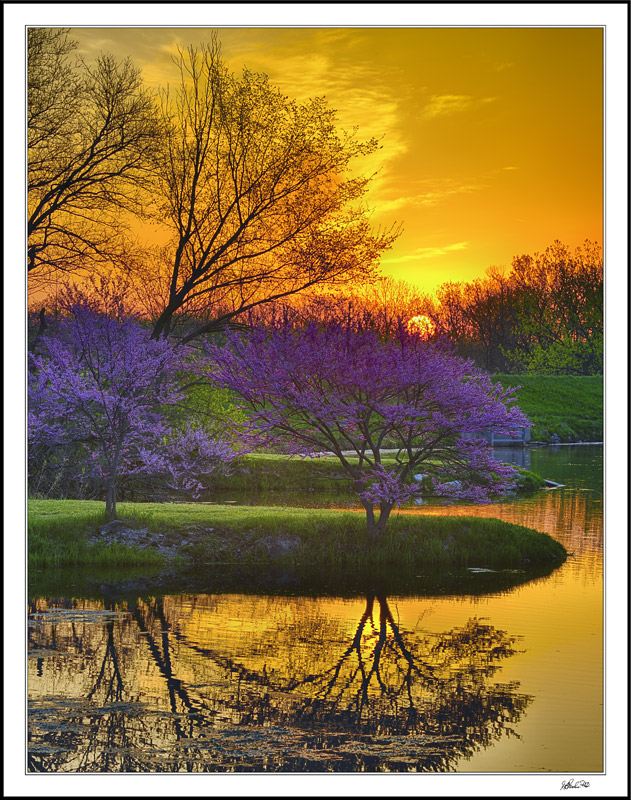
<point>544,315</point>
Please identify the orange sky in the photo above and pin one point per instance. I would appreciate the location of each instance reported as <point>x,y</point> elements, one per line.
<point>492,137</point>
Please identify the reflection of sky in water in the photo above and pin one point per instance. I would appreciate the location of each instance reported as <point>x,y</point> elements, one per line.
<point>572,514</point>
<point>233,681</point>
<point>579,466</point>
<point>267,683</point>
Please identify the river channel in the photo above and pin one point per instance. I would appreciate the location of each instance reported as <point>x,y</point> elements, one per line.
<point>497,673</point>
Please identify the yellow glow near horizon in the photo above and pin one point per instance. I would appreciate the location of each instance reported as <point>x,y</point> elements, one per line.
<point>491,137</point>
<point>422,325</point>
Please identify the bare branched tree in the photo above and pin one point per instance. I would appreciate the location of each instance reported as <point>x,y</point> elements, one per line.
<point>255,190</point>
<point>90,130</point>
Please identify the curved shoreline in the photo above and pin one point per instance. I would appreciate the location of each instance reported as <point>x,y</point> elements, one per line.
<point>66,533</point>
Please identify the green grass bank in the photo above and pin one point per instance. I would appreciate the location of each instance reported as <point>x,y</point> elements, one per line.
<point>569,405</point>
<point>266,472</point>
<point>60,534</point>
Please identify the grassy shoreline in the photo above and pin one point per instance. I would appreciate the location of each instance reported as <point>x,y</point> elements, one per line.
<point>570,406</point>
<point>202,535</point>
<point>263,472</point>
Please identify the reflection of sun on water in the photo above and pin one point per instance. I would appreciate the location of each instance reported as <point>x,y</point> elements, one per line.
<point>421,325</point>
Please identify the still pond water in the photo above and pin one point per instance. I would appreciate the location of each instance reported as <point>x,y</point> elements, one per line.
<point>506,677</point>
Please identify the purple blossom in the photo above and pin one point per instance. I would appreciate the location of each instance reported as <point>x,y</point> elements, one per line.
<point>385,486</point>
<point>102,385</point>
<point>352,393</point>
<point>186,459</point>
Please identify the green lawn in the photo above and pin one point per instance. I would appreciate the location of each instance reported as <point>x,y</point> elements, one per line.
<point>570,406</point>
<point>261,472</point>
<point>58,533</point>
<point>325,476</point>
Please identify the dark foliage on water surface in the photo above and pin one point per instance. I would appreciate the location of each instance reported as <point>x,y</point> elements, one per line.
<point>382,699</point>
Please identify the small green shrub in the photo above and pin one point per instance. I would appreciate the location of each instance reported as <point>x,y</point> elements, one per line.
<point>529,481</point>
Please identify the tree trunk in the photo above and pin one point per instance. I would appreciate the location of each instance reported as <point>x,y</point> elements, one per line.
<point>163,324</point>
<point>110,498</point>
<point>376,528</point>
<point>384,515</point>
<point>42,323</point>
<point>370,520</point>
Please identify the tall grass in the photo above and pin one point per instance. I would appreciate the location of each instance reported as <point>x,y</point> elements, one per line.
<point>237,534</point>
<point>58,536</point>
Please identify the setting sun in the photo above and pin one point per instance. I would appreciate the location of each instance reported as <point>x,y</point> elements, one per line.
<point>422,325</point>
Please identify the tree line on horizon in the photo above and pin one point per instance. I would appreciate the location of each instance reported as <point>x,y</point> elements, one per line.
<point>261,214</point>
<point>543,316</point>
<point>268,243</point>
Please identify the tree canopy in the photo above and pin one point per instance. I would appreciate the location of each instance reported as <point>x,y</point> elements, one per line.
<point>254,190</point>
<point>317,390</point>
<point>101,386</point>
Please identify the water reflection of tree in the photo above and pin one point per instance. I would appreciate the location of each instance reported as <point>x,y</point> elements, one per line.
<point>432,693</point>
<point>390,699</point>
<point>94,735</point>
<point>435,685</point>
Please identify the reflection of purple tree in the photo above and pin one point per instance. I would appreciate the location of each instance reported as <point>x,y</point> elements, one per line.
<point>388,683</point>
<point>330,389</point>
<point>109,678</point>
<point>104,733</point>
<point>391,700</point>
<point>99,722</point>
<point>102,386</point>
<point>436,685</point>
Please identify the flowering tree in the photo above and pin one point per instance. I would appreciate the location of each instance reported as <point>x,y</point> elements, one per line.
<point>329,389</point>
<point>100,383</point>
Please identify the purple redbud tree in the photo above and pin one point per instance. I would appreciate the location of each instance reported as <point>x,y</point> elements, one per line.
<point>329,389</point>
<point>103,386</point>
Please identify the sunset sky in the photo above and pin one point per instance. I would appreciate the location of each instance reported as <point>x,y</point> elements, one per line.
<point>492,137</point>
<point>492,146</point>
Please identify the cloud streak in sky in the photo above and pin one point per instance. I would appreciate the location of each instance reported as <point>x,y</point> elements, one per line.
<point>432,197</point>
<point>359,92</point>
<point>458,158</point>
<point>441,105</point>
<point>428,252</point>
